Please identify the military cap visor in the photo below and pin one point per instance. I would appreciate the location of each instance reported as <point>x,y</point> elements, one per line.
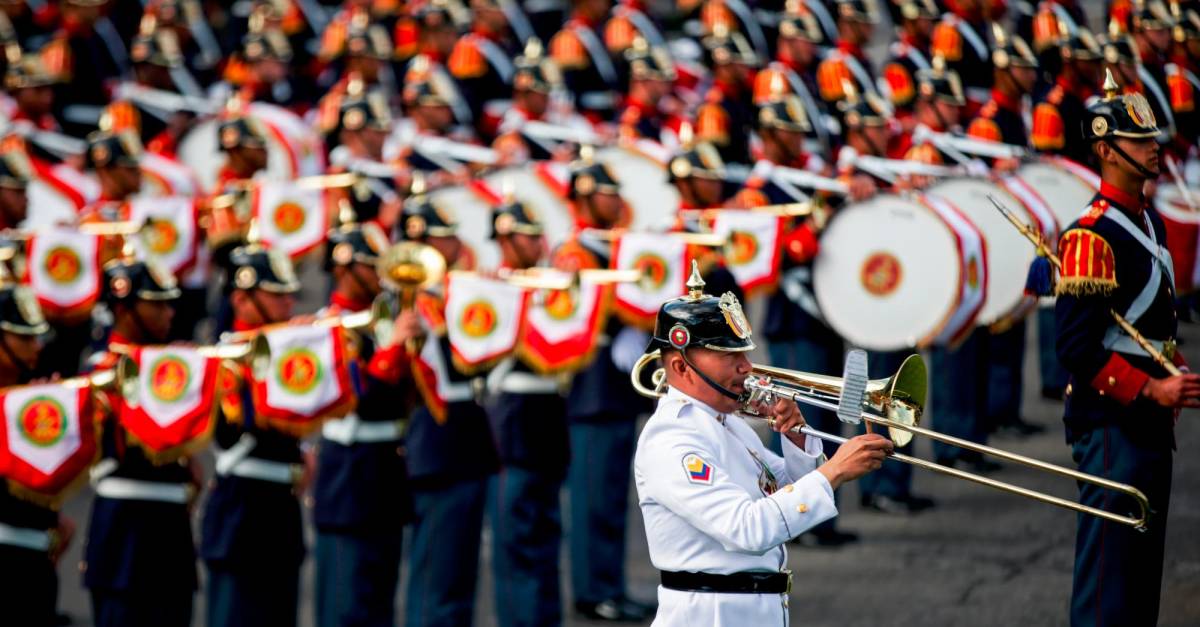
<point>422,218</point>
<point>702,161</point>
<point>356,243</point>
<point>786,114</point>
<point>593,178</point>
<point>106,149</point>
<point>130,279</point>
<point>515,217</point>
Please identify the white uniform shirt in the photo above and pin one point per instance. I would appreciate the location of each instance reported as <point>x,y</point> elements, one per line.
<point>702,485</point>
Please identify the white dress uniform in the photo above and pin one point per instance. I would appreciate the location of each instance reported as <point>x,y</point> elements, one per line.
<point>707,488</point>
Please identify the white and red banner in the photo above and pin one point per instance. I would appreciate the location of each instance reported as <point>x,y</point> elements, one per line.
<point>483,319</point>
<point>754,248</point>
<point>64,271</point>
<point>175,409</point>
<point>291,218</point>
<point>308,379</point>
<point>172,236</point>
<point>562,327</point>
<point>48,440</point>
<point>662,260</point>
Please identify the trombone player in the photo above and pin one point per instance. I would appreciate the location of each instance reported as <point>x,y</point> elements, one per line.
<point>718,506</point>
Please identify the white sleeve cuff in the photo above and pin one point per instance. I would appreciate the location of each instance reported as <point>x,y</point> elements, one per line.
<point>800,462</point>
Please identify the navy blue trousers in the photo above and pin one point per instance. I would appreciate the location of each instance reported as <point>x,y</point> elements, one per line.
<point>444,563</point>
<point>28,587</point>
<point>958,392</point>
<point>1118,570</point>
<point>527,532</point>
<point>892,479</point>
<point>1053,375</point>
<point>601,465</point>
<point>822,356</point>
<point>356,578</point>
<point>122,608</point>
<point>238,598</point>
<point>1005,359</point>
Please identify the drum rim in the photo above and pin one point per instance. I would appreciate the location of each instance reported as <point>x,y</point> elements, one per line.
<point>957,336</point>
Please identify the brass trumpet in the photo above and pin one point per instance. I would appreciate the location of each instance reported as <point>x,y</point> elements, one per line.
<point>254,351</point>
<point>404,270</point>
<point>242,344</point>
<point>895,403</point>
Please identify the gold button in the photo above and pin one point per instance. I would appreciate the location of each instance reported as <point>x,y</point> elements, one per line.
<point>802,508</point>
<point>1068,391</point>
<point>1112,381</point>
<point>789,487</point>
<point>1101,392</point>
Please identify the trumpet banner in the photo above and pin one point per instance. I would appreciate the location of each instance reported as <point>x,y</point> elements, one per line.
<point>754,252</point>
<point>174,408</point>
<point>662,259</point>
<point>49,438</point>
<point>290,218</point>
<point>64,270</point>
<point>483,320</point>
<point>562,327</point>
<point>308,379</point>
<point>172,235</point>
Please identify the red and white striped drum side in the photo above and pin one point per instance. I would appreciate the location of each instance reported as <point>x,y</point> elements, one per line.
<point>897,272</point>
<point>1183,234</point>
<point>1065,186</point>
<point>1009,254</point>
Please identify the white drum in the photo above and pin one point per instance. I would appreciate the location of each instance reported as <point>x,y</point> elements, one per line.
<point>547,205</point>
<point>1009,253</point>
<point>644,186</point>
<point>474,216</point>
<point>898,272</point>
<point>293,148</point>
<point>1065,186</point>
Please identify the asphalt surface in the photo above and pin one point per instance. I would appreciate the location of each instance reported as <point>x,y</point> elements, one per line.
<point>981,557</point>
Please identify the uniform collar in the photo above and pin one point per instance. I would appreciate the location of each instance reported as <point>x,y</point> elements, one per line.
<point>341,302</point>
<point>675,394</point>
<point>1121,198</point>
<point>1006,101</point>
<point>115,338</point>
<point>242,325</point>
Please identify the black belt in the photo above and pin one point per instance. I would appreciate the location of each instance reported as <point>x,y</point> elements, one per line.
<point>746,582</point>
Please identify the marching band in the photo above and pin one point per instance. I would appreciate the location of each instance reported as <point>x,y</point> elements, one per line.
<point>501,204</point>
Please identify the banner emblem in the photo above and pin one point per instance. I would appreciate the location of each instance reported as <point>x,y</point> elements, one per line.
<point>289,217</point>
<point>63,265</point>
<point>744,247</point>
<point>298,370</point>
<point>654,269</point>
<point>478,319</point>
<point>169,378</point>
<point>42,421</point>
<point>162,237</point>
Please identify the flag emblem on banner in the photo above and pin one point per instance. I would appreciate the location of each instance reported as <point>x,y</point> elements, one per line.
<point>170,377</point>
<point>42,421</point>
<point>654,269</point>
<point>743,246</point>
<point>63,265</point>
<point>289,217</point>
<point>479,319</point>
<point>298,370</point>
<point>161,237</point>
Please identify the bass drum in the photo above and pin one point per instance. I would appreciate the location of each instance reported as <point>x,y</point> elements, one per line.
<point>1008,252</point>
<point>473,213</point>
<point>1183,234</point>
<point>293,149</point>
<point>1065,186</point>
<point>644,186</point>
<point>531,190</point>
<point>897,272</point>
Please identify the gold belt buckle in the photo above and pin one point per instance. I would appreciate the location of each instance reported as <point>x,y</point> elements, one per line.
<point>788,572</point>
<point>1169,348</point>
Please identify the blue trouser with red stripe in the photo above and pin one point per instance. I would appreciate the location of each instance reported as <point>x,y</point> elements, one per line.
<point>1118,570</point>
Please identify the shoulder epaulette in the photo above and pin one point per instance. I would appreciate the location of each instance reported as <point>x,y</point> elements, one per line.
<point>1181,93</point>
<point>830,74</point>
<point>712,124</point>
<point>924,153</point>
<point>619,34</point>
<point>946,41</point>
<point>466,61</point>
<point>900,82</point>
<point>1048,132</point>
<point>768,80</point>
<point>1088,264</point>
<point>56,58</point>
<point>985,128</point>
<point>568,51</point>
<point>751,195</point>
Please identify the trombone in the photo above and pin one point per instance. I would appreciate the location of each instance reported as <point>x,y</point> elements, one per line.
<point>895,403</point>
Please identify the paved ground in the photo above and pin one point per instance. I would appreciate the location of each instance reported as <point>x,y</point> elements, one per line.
<point>981,558</point>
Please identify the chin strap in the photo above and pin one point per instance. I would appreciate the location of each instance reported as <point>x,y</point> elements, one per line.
<point>1141,169</point>
<point>728,393</point>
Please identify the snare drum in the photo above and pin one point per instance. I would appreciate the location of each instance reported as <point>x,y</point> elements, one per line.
<point>1065,186</point>
<point>1183,232</point>
<point>897,272</point>
<point>1008,252</point>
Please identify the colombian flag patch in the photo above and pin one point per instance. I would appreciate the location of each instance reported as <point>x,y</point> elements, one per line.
<point>697,470</point>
